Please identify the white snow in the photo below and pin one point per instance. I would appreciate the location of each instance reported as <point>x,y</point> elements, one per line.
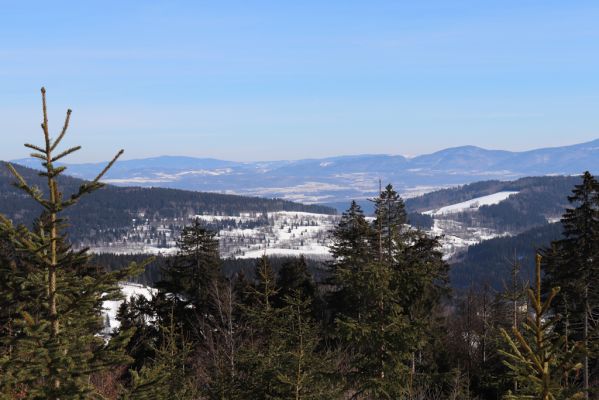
<point>455,237</point>
<point>473,204</point>
<point>288,233</point>
<point>129,290</point>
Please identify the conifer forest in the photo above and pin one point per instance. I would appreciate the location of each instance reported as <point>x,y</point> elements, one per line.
<point>378,319</point>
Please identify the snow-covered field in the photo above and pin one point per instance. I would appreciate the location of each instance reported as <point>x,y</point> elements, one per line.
<point>473,204</point>
<point>287,233</point>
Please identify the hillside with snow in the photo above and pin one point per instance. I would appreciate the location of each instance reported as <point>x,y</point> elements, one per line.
<point>248,235</point>
<point>289,233</point>
<point>473,204</point>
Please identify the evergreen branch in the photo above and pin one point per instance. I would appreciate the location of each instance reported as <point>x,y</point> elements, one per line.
<point>108,166</point>
<point>16,175</point>
<point>22,184</point>
<point>45,123</point>
<point>64,131</point>
<point>57,171</point>
<point>66,153</point>
<point>549,300</point>
<point>40,156</point>
<point>34,147</point>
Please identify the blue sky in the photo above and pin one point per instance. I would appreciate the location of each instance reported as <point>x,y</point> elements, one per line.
<point>259,80</point>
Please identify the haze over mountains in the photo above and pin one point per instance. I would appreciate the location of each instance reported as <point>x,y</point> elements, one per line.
<point>336,180</point>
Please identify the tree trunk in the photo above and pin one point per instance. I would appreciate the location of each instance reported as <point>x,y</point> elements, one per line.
<point>586,342</point>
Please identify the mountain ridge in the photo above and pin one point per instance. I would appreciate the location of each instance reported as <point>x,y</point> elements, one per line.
<point>348,177</point>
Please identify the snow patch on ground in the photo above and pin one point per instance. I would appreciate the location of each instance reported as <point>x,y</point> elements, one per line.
<point>111,307</point>
<point>473,204</point>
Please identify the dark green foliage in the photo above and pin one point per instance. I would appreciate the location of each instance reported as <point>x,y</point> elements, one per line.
<point>572,263</point>
<point>136,315</point>
<point>540,358</point>
<point>195,268</point>
<point>49,343</point>
<point>257,360</point>
<point>306,367</point>
<point>379,337</point>
<point>489,262</point>
<point>294,277</point>
<point>168,374</point>
<point>284,357</point>
<point>388,280</point>
<point>420,221</point>
<point>351,251</point>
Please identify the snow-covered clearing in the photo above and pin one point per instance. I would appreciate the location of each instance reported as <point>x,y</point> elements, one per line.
<point>456,237</point>
<point>473,204</point>
<point>111,307</point>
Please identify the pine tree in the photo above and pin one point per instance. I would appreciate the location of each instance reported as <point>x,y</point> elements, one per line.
<point>188,280</point>
<point>196,266</point>
<point>54,343</point>
<point>351,251</point>
<point>390,278</point>
<point>573,264</point>
<point>305,370</point>
<point>284,357</point>
<point>537,357</point>
<point>377,337</point>
<point>294,276</point>
<point>258,359</point>
<point>169,374</point>
<point>389,225</point>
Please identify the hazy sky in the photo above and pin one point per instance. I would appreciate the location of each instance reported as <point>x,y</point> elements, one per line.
<point>254,80</point>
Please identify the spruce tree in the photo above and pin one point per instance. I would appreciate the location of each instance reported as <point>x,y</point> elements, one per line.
<point>137,314</point>
<point>294,276</point>
<point>188,280</point>
<point>390,278</point>
<point>389,225</point>
<point>351,251</point>
<point>284,356</point>
<point>169,373</point>
<point>54,340</point>
<point>537,357</point>
<point>305,367</point>
<point>573,264</point>
<point>195,267</point>
<point>258,359</point>
<point>377,335</point>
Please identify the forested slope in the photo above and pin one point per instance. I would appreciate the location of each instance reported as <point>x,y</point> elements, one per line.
<point>490,262</point>
<point>113,208</point>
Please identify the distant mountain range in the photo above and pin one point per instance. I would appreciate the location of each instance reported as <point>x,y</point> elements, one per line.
<point>337,180</point>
